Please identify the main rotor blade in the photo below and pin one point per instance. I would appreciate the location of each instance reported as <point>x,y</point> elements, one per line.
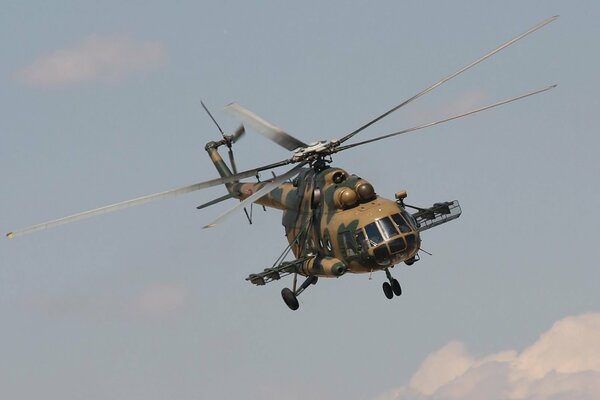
<point>268,187</point>
<point>263,127</point>
<point>143,199</point>
<point>444,120</point>
<point>215,201</point>
<point>435,85</point>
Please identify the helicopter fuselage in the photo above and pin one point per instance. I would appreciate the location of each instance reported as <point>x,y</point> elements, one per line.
<point>335,221</point>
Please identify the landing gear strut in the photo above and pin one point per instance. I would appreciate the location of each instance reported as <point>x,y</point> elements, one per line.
<point>392,287</point>
<point>290,297</point>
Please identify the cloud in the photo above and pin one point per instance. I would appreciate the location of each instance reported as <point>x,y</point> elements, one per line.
<point>564,363</point>
<point>160,299</point>
<point>153,300</point>
<point>95,58</point>
<point>466,101</point>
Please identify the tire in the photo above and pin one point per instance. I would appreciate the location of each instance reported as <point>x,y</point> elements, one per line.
<point>387,290</point>
<point>290,299</point>
<point>396,288</point>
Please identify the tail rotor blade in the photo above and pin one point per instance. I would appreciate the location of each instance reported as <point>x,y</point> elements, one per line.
<point>239,132</point>
<point>232,161</point>
<point>232,139</point>
<point>213,118</point>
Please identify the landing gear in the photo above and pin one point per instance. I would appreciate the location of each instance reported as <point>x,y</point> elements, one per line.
<point>396,287</point>
<point>387,290</point>
<point>392,287</point>
<point>413,260</point>
<point>290,297</point>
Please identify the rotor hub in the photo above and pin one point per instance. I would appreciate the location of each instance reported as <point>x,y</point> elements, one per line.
<point>315,150</point>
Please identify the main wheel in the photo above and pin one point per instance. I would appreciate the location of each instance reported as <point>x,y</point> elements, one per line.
<point>387,290</point>
<point>290,299</point>
<point>396,287</point>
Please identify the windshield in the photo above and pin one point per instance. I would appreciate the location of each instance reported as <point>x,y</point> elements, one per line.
<point>373,234</point>
<point>402,225</point>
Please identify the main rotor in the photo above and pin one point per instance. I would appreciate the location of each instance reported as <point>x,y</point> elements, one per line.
<point>320,150</point>
<point>317,154</point>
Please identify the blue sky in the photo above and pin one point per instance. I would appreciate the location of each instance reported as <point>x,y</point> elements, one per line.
<point>143,303</point>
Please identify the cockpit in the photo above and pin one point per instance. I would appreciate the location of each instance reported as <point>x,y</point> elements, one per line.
<point>393,238</point>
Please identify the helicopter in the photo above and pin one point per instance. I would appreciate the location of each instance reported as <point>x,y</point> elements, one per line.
<point>335,222</point>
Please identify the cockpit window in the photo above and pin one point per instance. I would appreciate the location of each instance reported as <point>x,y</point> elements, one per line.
<point>410,241</point>
<point>397,245</point>
<point>402,225</point>
<point>373,234</point>
<point>411,220</point>
<point>387,227</point>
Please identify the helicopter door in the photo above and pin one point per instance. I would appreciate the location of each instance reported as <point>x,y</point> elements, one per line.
<point>348,244</point>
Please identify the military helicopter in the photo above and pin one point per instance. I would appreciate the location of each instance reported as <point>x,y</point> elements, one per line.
<point>334,221</point>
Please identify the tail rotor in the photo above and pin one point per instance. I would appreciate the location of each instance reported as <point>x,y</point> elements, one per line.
<point>228,140</point>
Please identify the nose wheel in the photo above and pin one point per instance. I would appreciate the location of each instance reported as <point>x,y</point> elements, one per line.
<point>392,287</point>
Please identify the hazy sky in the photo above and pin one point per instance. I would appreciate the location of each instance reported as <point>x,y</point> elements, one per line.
<point>100,102</point>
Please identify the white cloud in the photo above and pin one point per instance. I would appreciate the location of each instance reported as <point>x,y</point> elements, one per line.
<point>467,101</point>
<point>564,363</point>
<point>95,58</point>
<point>153,300</point>
<point>437,371</point>
<point>161,299</point>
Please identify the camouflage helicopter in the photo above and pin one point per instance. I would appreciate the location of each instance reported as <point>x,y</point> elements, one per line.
<point>334,221</point>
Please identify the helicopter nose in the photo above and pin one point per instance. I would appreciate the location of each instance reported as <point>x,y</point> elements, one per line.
<point>412,242</point>
<point>397,249</point>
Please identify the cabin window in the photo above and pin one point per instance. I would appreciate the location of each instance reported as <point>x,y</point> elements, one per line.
<point>401,223</point>
<point>327,243</point>
<point>373,234</point>
<point>361,240</point>
<point>348,244</point>
<point>387,227</point>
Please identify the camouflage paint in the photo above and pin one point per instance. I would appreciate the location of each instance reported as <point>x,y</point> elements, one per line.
<point>321,204</point>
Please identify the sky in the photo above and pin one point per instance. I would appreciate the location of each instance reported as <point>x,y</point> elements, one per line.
<point>100,102</point>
